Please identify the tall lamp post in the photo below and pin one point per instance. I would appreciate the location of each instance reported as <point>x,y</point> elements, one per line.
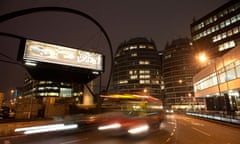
<point>202,57</point>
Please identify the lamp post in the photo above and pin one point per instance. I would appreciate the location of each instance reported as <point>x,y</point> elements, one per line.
<point>12,92</point>
<point>203,59</point>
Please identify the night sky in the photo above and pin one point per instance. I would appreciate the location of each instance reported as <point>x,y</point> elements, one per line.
<point>160,20</point>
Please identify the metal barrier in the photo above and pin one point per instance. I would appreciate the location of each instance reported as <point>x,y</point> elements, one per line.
<point>233,118</point>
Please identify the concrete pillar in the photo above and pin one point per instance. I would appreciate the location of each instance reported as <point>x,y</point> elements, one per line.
<point>87,97</point>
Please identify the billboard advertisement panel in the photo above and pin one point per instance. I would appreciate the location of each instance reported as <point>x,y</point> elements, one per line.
<point>55,54</point>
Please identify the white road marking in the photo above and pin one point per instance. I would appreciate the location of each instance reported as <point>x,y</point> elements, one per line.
<point>197,124</point>
<point>202,132</point>
<point>74,141</point>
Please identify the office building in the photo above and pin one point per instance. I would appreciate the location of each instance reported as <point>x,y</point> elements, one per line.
<point>178,71</point>
<point>218,83</point>
<point>218,31</point>
<point>137,67</point>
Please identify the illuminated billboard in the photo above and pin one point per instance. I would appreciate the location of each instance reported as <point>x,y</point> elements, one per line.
<point>55,54</point>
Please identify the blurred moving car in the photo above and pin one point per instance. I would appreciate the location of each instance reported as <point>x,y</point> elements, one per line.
<point>130,124</point>
<point>128,114</point>
<point>169,111</point>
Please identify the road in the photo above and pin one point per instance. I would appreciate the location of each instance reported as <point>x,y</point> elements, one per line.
<point>176,129</point>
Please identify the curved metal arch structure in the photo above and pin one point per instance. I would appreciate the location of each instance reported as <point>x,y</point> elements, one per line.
<point>19,13</point>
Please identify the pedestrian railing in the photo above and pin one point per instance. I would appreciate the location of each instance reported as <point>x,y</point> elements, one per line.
<point>230,118</point>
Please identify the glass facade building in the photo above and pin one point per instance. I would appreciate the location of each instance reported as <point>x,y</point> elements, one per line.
<point>55,90</point>
<point>178,71</point>
<point>219,82</point>
<point>137,67</point>
<point>218,31</point>
<point>51,89</point>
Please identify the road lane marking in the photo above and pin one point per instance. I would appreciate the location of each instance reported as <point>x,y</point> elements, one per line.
<point>74,141</point>
<point>202,132</point>
<point>197,124</point>
<point>173,123</point>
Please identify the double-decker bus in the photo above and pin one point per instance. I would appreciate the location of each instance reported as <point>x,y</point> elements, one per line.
<point>131,102</point>
<point>129,113</point>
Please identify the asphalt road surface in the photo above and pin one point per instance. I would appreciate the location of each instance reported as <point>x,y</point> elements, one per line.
<point>176,129</point>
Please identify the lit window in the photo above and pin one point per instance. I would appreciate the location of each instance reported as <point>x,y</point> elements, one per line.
<point>144,81</point>
<point>215,18</point>
<point>201,24</point>
<point>208,31</point>
<point>230,72</point>
<point>155,82</point>
<point>214,39</point>
<point>54,94</point>
<point>144,76</point>
<point>144,71</point>
<point>133,77</point>
<point>233,19</point>
<point>162,87</point>
<point>226,45</point>
<point>150,47</point>
<point>213,29</point>
<point>65,92</point>
<point>143,62</point>
<point>142,46</point>
<point>235,30</point>
<point>238,68</point>
<point>220,14</point>
<point>42,82</point>
<point>118,54</point>
<point>232,44</point>
<point>41,88</point>
<point>224,35</point>
<point>123,81</point>
<point>222,77</point>
<point>133,47</point>
<point>130,72</point>
<point>229,33</point>
<point>134,54</point>
<point>204,33</point>
<point>168,56</point>
<point>238,17</point>
<point>216,27</point>
<point>228,22</point>
<point>222,25</point>
<point>42,94</point>
<point>207,22</point>
<point>219,37</point>
<point>125,49</point>
<point>225,12</point>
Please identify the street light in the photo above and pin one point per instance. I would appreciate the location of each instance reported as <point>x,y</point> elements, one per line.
<point>204,59</point>
<point>12,91</point>
<point>180,81</point>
